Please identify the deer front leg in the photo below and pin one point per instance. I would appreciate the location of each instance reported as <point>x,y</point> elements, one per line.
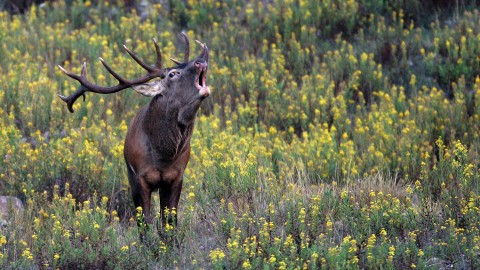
<point>169,198</point>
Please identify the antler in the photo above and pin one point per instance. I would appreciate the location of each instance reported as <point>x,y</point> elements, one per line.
<point>86,85</point>
<point>187,51</point>
<point>204,53</point>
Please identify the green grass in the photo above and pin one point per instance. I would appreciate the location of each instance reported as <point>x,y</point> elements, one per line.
<point>338,135</point>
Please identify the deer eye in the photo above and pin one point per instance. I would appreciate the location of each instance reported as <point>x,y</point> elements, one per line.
<point>173,73</point>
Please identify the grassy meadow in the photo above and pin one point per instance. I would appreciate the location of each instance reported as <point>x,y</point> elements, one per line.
<point>338,135</point>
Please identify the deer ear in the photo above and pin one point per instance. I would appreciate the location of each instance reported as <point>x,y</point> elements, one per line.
<point>149,89</point>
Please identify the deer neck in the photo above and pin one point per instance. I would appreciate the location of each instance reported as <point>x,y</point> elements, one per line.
<point>169,123</point>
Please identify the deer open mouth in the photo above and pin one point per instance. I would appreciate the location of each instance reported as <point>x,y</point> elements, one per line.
<point>201,80</point>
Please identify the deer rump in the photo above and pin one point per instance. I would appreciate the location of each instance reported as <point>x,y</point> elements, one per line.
<point>157,144</point>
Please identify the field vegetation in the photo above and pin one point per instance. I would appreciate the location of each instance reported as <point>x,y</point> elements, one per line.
<point>339,135</point>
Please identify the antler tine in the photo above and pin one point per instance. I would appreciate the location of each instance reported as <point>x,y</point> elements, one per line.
<point>175,61</point>
<point>187,47</point>
<point>73,97</point>
<point>159,54</point>
<point>204,53</point>
<point>73,75</point>
<point>114,74</point>
<point>84,69</point>
<point>79,92</point>
<point>138,60</point>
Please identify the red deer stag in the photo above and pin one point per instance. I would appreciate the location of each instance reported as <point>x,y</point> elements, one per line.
<point>157,144</point>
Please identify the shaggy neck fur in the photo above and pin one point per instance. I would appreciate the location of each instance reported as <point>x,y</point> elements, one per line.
<point>169,123</point>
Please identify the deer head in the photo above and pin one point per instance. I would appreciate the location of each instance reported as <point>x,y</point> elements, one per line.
<point>170,77</point>
<point>157,144</point>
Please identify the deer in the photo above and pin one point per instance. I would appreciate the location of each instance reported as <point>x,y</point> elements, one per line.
<point>157,143</point>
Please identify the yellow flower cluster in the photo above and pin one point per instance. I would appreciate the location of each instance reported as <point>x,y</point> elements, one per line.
<point>3,241</point>
<point>216,255</point>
